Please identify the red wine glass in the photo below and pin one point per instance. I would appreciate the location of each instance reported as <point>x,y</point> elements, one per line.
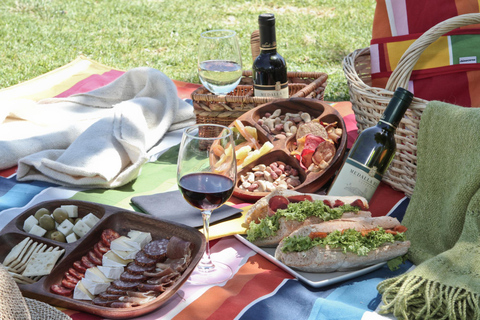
<point>206,176</point>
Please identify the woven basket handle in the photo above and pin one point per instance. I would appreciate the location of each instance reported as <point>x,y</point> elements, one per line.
<point>401,75</point>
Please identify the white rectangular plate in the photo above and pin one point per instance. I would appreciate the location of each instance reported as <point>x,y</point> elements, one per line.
<point>316,280</point>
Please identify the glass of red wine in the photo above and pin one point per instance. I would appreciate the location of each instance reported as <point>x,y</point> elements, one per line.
<point>206,176</point>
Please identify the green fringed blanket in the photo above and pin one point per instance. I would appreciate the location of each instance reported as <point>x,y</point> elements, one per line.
<point>443,221</point>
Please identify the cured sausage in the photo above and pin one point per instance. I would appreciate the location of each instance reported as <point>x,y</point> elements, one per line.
<point>134,268</point>
<point>70,278</point>
<point>108,235</point>
<point>113,290</point>
<point>97,252</point>
<point>93,258</point>
<point>108,296</point>
<point>61,290</point>
<point>77,265</point>
<point>102,247</point>
<point>76,274</point>
<point>87,263</point>
<point>278,202</point>
<point>101,302</point>
<point>142,260</point>
<point>125,285</point>
<point>67,284</point>
<point>128,277</point>
<point>156,249</point>
<point>151,287</point>
<point>178,248</point>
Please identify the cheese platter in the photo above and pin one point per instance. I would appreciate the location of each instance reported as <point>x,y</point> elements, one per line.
<point>103,272</point>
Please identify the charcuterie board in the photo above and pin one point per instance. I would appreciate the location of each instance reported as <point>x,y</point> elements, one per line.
<point>285,145</point>
<point>109,218</point>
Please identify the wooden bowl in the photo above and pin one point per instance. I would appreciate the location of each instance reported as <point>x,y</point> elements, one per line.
<point>120,220</point>
<point>311,181</point>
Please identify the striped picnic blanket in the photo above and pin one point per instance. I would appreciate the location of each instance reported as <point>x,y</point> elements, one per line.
<point>259,289</point>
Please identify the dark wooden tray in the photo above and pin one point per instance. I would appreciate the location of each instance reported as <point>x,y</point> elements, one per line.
<point>312,181</point>
<point>118,219</point>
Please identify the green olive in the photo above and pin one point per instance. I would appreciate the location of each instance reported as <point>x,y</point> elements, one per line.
<point>71,220</point>
<point>57,236</point>
<point>41,212</point>
<point>76,220</point>
<point>47,222</point>
<point>48,235</point>
<point>60,215</point>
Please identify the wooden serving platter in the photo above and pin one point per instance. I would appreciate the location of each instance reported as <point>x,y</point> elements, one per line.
<point>311,181</point>
<point>118,219</point>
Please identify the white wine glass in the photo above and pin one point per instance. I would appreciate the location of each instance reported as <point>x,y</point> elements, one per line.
<point>206,176</point>
<point>219,61</point>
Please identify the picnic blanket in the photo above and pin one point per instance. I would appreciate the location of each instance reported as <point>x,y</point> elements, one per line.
<point>259,289</point>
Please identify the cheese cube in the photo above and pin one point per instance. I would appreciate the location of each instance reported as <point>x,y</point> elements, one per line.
<point>142,238</point>
<point>81,228</point>
<point>81,293</point>
<point>111,272</point>
<point>110,259</point>
<point>38,231</point>
<point>90,220</point>
<point>66,227</point>
<point>95,287</point>
<point>71,209</point>
<point>29,223</point>
<point>95,275</point>
<point>72,237</point>
<point>124,244</point>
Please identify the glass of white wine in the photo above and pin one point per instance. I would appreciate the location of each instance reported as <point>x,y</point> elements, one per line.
<point>219,61</point>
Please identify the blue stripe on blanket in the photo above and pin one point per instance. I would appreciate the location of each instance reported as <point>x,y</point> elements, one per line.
<point>400,209</point>
<point>17,194</point>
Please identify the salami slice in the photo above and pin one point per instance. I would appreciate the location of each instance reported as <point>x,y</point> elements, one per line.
<point>108,296</point>
<point>300,198</point>
<point>178,248</point>
<point>77,265</point>
<point>76,274</point>
<point>134,268</point>
<point>70,278</point>
<point>359,203</point>
<point>113,290</point>
<point>125,285</point>
<point>108,235</point>
<point>102,247</point>
<point>61,290</point>
<point>142,260</point>
<point>68,284</point>
<point>156,249</point>
<point>278,202</point>
<point>94,259</point>
<point>87,263</point>
<point>128,277</point>
<point>97,252</point>
<point>101,302</point>
<point>151,287</point>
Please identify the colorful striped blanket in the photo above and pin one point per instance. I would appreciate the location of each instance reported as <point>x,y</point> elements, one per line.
<point>259,289</point>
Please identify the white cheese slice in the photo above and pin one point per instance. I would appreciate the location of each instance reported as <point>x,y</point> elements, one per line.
<point>71,209</point>
<point>81,228</point>
<point>29,223</point>
<point>111,272</point>
<point>72,237</point>
<point>38,231</point>
<point>123,244</point>
<point>95,275</point>
<point>142,238</point>
<point>81,293</point>
<point>66,227</point>
<point>110,259</point>
<point>95,287</point>
<point>125,255</point>
<point>90,220</point>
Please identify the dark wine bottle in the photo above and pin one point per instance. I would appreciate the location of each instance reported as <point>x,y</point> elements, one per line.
<point>372,152</point>
<point>269,68</point>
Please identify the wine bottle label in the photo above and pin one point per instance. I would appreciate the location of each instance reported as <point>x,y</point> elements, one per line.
<point>277,90</point>
<point>356,179</point>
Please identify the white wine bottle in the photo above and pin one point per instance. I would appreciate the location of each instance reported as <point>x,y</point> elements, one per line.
<point>372,152</point>
<point>269,68</point>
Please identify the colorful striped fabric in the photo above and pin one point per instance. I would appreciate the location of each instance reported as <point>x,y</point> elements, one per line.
<point>448,69</point>
<point>258,289</point>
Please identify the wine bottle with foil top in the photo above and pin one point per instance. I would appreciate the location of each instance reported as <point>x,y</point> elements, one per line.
<point>372,152</point>
<point>269,68</point>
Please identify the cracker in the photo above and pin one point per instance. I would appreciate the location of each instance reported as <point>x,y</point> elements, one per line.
<point>34,248</point>
<point>41,264</point>
<point>21,279</point>
<point>15,252</point>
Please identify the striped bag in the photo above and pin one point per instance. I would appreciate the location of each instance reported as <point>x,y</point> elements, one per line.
<point>449,69</point>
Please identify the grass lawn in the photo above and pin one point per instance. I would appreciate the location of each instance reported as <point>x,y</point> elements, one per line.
<point>37,36</point>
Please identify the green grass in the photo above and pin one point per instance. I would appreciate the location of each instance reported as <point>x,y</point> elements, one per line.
<point>37,36</point>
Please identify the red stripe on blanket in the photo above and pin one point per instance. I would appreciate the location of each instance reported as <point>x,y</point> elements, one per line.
<point>384,199</point>
<point>92,82</point>
<point>256,278</point>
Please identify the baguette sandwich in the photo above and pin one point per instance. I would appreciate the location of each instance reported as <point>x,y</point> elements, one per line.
<point>283,211</point>
<point>343,244</point>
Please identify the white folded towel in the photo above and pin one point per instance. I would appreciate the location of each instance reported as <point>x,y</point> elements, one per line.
<point>98,139</point>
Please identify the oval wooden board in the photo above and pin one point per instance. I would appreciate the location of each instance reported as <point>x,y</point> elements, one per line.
<point>120,220</point>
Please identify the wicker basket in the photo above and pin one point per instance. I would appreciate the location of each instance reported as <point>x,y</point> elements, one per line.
<point>368,102</point>
<point>224,109</point>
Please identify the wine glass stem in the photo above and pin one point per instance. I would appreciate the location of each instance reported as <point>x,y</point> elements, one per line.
<point>206,264</point>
